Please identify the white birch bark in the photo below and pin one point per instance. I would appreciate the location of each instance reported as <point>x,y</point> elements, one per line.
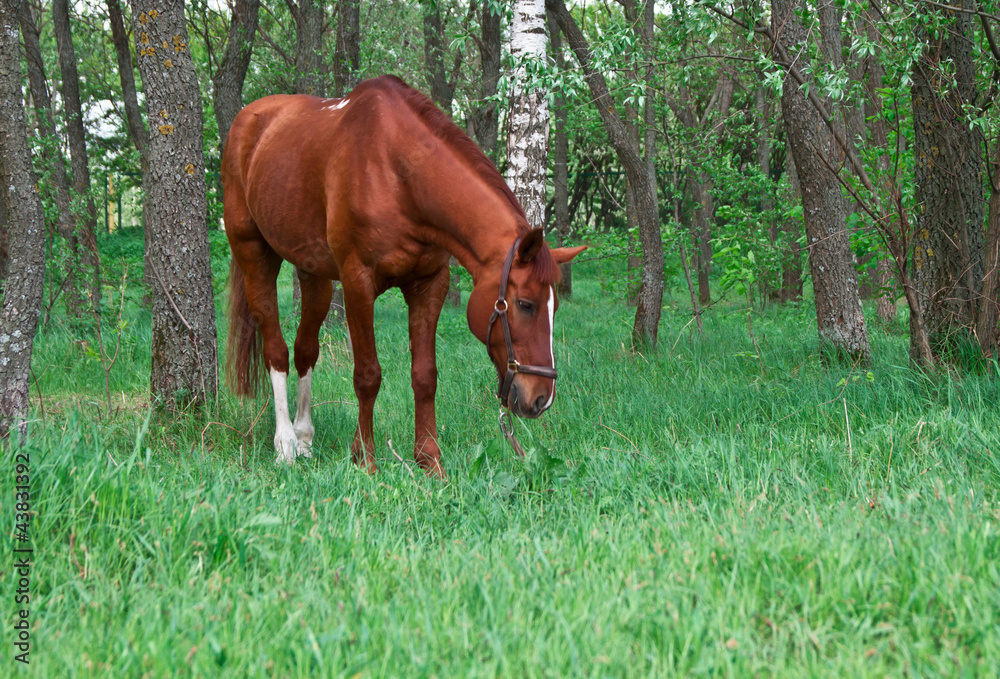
<point>528,125</point>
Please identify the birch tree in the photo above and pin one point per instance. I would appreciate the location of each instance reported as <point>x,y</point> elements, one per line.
<point>528,122</point>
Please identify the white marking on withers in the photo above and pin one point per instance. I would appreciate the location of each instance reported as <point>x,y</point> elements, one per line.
<point>284,435</point>
<point>552,354</point>
<point>303,425</point>
<point>337,106</point>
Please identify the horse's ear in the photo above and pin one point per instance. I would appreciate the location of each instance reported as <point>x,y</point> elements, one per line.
<point>531,243</point>
<point>563,255</point>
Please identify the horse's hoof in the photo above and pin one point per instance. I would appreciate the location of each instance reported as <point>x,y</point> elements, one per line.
<point>436,472</point>
<point>285,447</point>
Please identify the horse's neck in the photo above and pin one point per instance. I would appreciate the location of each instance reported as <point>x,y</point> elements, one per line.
<point>471,219</point>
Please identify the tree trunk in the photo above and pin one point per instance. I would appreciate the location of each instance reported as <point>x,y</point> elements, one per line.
<point>309,18</point>
<point>133,118</point>
<point>4,241</point>
<point>791,262</point>
<point>528,123</point>
<point>872,74</point>
<point>442,91</point>
<point>484,117</point>
<point>560,179</point>
<point>26,235</point>
<point>700,189</point>
<point>633,264</point>
<point>133,114</point>
<point>347,56</point>
<point>647,314</point>
<point>948,244</point>
<point>184,353</point>
<point>227,85</point>
<point>86,211</point>
<point>57,189</point>
<point>839,315</point>
<point>762,124</point>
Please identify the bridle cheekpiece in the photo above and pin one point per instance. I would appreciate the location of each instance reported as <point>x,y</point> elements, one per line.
<point>500,312</point>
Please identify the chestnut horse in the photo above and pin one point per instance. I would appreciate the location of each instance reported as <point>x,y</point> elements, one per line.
<point>377,190</point>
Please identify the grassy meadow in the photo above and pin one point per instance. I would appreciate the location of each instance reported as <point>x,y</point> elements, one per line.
<point>680,513</point>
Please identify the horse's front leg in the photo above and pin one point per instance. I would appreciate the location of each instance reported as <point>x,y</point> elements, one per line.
<point>359,300</point>
<point>424,299</point>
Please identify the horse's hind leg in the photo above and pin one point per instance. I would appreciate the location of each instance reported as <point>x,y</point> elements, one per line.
<point>424,299</point>
<point>359,300</point>
<point>316,294</point>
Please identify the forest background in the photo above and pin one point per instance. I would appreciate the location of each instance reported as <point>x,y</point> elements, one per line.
<point>809,191</point>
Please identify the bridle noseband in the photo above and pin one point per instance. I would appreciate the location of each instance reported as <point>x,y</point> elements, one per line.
<point>500,311</point>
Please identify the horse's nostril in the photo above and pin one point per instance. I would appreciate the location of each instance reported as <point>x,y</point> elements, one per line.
<point>540,404</point>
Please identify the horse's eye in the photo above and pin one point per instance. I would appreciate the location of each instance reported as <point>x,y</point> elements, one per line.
<point>526,307</point>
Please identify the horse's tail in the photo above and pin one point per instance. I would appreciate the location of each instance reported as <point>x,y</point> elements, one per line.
<point>244,359</point>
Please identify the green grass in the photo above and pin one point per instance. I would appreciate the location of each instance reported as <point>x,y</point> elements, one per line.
<point>680,514</point>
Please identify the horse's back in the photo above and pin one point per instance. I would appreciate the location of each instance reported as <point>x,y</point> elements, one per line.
<point>322,176</point>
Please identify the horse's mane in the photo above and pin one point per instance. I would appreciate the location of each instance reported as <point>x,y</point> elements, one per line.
<point>543,266</point>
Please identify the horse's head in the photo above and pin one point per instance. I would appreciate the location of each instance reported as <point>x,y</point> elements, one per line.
<point>515,321</point>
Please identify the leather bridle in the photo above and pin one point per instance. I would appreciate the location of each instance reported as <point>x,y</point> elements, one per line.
<point>500,311</point>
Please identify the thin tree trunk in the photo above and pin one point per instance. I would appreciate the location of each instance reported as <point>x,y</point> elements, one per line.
<point>872,74</point>
<point>647,314</point>
<point>633,265</point>
<point>560,180</point>
<point>528,122</point>
<point>309,17</point>
<point>791,263</point>
<point>57,189</point>
<point>839,315</point>
<point>227,85</point>
<point>184,349</point>
<point>133,115</point>
<point>485,118</point>
<point>126,74</point>
<point>442,91</point>
<point>700,189</point>
<point>26,235</point>
<point>347,56</point>
<point>86,211</point>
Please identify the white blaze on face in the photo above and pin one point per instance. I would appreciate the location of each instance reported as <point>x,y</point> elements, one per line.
<point>552,312</point>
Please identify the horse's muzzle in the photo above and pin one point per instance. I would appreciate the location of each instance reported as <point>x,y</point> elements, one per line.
<point>524,402</point>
